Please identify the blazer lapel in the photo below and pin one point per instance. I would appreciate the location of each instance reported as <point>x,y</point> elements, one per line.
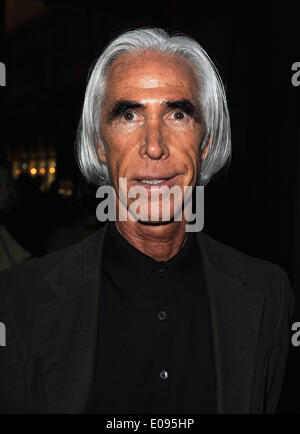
<point>67,327</point>
<point>236,316</point>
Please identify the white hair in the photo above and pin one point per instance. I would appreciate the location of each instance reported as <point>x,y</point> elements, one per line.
<point>211,98</point>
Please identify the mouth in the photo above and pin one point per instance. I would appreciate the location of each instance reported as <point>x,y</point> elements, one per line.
<point>150,182</point>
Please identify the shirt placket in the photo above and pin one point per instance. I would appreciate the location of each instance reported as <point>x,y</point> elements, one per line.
<point>163,292</point>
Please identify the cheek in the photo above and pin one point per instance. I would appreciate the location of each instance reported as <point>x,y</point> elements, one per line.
<point>121,138</point>
<point>186,145</point>
<point>121,150</point>
<point>189,155</point>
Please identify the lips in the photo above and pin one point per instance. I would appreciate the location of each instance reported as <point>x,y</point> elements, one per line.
<point>152,177</point>
<point>156,181</point>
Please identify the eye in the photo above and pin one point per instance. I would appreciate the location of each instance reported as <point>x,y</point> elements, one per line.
<point>178,115</point>
<point>129,116</point>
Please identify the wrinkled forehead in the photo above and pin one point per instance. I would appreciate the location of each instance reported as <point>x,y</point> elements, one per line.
<point>149,74</point>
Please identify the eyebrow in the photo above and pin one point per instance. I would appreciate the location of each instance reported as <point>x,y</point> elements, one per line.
<point>182,104</point>
<point>121,106</point>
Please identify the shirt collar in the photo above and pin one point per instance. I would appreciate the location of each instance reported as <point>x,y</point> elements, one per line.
<point>125,263</point>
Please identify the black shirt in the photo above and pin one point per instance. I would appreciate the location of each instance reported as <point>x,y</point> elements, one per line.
<point>154,352</point>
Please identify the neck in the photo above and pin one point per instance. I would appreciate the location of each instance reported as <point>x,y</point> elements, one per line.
<point>161,242</point>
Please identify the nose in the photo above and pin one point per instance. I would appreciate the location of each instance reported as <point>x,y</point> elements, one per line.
<point>154,143</point>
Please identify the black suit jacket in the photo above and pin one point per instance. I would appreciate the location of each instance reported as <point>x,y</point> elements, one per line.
<point>49,307</point>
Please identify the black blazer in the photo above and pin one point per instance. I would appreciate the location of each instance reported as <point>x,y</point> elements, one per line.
<point>49,307</point>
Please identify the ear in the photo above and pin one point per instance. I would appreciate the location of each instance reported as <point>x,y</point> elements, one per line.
<point>101,154</point>
<point>206,148</point>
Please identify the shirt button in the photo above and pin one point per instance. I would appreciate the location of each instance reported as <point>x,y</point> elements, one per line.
<point>162,270</point>
<point>163,374</point>
<point>161,315</point>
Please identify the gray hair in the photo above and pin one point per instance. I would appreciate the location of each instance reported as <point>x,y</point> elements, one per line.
<point>212,100</point>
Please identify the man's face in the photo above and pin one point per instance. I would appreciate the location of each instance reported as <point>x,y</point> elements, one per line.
<point>151,125</point>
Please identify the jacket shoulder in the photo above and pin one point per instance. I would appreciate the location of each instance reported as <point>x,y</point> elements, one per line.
<point>260,275</point>
<point>24,279</point>
<point>236,258</point>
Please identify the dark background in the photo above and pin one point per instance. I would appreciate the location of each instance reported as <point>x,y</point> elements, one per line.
<point>48,48</point>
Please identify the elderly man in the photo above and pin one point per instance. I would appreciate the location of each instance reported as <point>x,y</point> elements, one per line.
<point>145,316</point>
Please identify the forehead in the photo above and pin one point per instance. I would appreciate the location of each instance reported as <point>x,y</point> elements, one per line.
<point>150,74</point>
